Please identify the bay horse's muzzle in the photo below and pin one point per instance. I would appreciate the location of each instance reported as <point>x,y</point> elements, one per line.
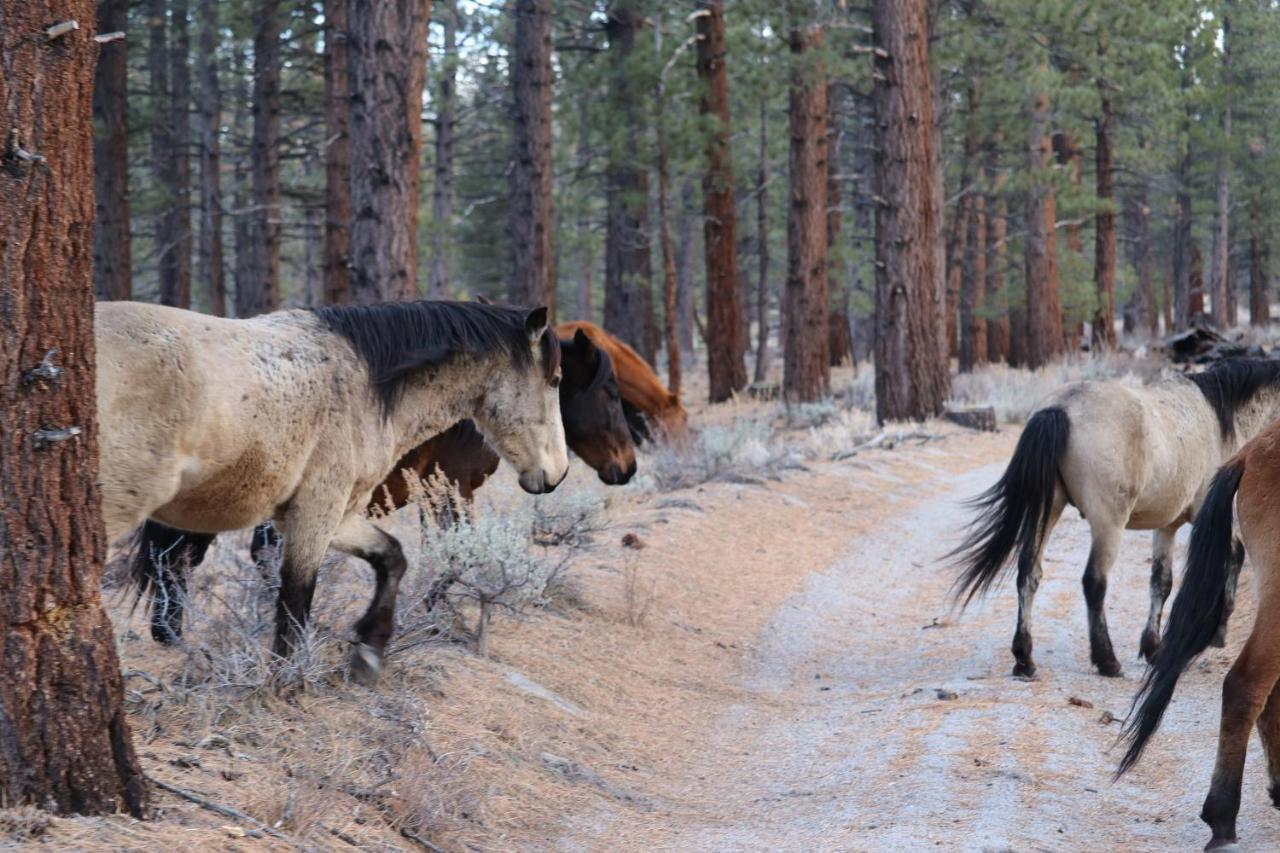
<point>614,474</point>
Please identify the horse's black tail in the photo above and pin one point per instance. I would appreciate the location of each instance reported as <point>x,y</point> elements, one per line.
<point>1196,612</point>
<point>1014,512</point>
<point>157,570</point>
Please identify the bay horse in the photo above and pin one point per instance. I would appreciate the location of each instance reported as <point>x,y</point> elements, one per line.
<point>210,424</point>
<point>650,408</point>
<point>1126,458</point>
<point>1251,481</point>
<point>595,429</point>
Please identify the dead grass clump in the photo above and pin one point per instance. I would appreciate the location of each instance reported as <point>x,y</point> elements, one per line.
<point>23,824</point>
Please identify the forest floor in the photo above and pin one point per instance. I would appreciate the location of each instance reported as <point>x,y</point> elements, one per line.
<point>776,667</point>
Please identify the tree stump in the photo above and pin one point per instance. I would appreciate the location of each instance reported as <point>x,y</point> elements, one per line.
<point>983,419</point>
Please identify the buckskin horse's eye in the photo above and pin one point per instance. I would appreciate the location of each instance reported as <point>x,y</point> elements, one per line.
<point>555,382</point>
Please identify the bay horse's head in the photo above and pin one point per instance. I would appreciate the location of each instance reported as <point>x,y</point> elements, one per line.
<point>591,407</point>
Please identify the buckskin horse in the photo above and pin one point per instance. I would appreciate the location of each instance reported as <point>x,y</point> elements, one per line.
<point>1135,458</point>
<point>210,424</point>
<point>594,425</point>
<point>1250,480</point>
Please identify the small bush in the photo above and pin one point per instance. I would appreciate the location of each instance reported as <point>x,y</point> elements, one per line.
<point>744,450</point>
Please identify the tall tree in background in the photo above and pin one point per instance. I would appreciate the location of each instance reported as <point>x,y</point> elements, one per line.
<point>912,378</point>
<point>726,334</point>
<point>533,280</point>
<point>1223,307</point>
<point>762,229</point>
<point>337,156</point>
<point>999,331</point>
<point>1043,305</point>
<point>66,743</point>
<point>112,264</point>
<point>973,273</point>
<point>807,363</point>
<point>1104,252</point>
<point>1181,250</point>
<point>438,284</point>
<point>388,56</point>
<point>168,156</point>
<point>180,126</point>
<point>209,131</point>
<point>628,273</point>
<point>259,291</point>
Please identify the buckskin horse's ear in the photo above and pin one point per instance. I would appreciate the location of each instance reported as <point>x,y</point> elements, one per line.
<point>535,324</point>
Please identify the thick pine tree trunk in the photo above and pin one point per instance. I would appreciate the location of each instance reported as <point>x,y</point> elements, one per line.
<point>726,334</point>
<point>112,263</point>
<point>998,327</point>
<point>438,276</point>
<point>1104,252</point>
<point>628,298</point>
<point>209,123</point>
<point>388,65</point>
<point>807,361</point>
<point>1043,307</point>
<point>912,376</point>
<point>533,280</point>
<point>337,156</point>
<point>66,743</point>
<point>259,291</point>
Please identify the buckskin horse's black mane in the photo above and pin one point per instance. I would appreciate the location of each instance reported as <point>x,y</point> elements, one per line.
<point>1232,383</point>
<point>398,339</point>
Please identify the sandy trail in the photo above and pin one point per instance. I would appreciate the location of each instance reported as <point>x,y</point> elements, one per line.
<point>839,738</point>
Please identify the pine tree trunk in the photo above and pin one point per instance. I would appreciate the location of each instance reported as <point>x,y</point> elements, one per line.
<point>670,321</point>
<point>438,279</point>
<point>180,122</point>
<point>1104,252</point>
<point>337,157</point>
<point>1181,253</point>
<point>65,744</point>
<point>912,375</point>
<point>1259,286</point>
<point>387,52</point>
<point>998,328</point>
<point>627,266</point>
<point>1223,307</point>
<point>533,280</point>
<point>260,291</point>
<point>685,284</point>
<point>1043,309</point>
<point>112,263</point>
<point>726,341</point>
<point>164,161</point>
<point>973,272</point>
<point>762,235</point>
<point>209,125</point>
<point>1195,285</point>
<point>807,362</point>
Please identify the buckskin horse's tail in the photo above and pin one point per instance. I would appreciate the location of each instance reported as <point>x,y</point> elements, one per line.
<point>1013,514</point>
<point>1196,612</point>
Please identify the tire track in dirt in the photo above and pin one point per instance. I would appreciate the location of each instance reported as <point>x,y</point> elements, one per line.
<point>848,738</point>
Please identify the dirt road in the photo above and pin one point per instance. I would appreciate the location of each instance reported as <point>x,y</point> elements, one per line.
<point>868,717</point>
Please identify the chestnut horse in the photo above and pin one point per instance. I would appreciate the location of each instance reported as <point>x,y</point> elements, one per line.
<point>1127,458</point>
<point>210,424</point>
<point>594,426</point>
<point>648,405</point>
<point>1250,480</point>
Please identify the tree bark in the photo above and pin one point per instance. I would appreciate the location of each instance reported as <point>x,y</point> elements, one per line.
<point>807,361</point>
<point>337,156</point>
<point>1181,254</point>
<point>685,284</point>
<point>912,376</point>
<point>438,278</point>
<point>209,129</point>
<point>165,161</point>
<point>1223,307</point>
<point>1044,309</point>
<point>180,122</point>
<point>259,292</point>
<point>1259,286</point>
<point>999,343</point>
<point>387,52</point>
<point>726,341</point>
<point>533,280</point>
<point>112,263</point>
<point>1104,252</point>
<point>762,232</point>
<point>628,298</point>
<point>973,273</point>
<point>670,320</point>
<point>66,743</point>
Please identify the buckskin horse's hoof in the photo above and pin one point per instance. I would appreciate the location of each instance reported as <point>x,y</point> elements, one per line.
<point>1110,669</point>
<point>365,665</point>
<point>1025,670</point>
<point>1223,845</point>
<point>1149,647</point>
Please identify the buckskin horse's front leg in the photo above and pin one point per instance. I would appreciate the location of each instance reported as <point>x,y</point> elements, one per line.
<point>361,538</point>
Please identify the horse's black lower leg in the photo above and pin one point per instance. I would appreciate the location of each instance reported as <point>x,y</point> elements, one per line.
<point>1029,573</point>
<point>1229,601</point>
<point>1106,544</point>
<point>1161,586</point>
<point>373,630</point>
<point>293,605</point>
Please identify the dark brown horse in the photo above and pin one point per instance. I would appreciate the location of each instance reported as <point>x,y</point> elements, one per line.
<point>595,429</point>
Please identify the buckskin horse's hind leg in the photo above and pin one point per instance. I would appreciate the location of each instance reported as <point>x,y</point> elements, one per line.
<point>1102,555</point>
<point>361,538</point>
<point>306,538</point>
<point>1229,603</point>
<point>1161,585</point>
<point>1029,574</point>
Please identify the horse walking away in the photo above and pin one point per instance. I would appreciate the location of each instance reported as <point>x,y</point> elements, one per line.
<point>1250,480</point>
<point>210,424</point>
<point>1126,458</point>
<point>650,408</point>
<point>595,429</point>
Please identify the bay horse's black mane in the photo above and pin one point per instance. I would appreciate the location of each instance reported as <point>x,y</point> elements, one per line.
<point>398,339</point>
<point>1232,383</point>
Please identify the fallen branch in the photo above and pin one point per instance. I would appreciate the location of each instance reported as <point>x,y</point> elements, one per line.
<point>219,808</point>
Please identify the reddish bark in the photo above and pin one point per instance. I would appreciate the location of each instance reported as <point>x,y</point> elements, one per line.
<point>998,328</point>
<point>1043,305</point>
<point>533,280</point>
